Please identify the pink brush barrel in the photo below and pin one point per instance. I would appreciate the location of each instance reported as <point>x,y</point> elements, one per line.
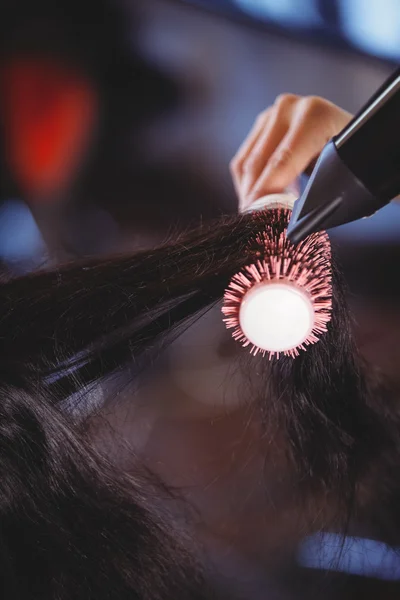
<point>281,302</point>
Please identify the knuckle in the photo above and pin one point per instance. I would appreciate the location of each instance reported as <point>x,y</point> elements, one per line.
<point>250,166</point>
<point>234,165</point>
<point>315,106</point>
<point>285,100</point>
<point>261,117</point>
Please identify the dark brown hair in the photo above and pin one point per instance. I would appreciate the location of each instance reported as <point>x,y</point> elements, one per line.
<point>73,527</point>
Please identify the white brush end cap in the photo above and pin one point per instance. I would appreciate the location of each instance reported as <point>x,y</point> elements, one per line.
<point>276,316</point>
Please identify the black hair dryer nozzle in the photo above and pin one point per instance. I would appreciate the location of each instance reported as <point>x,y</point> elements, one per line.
<point>358,171</point>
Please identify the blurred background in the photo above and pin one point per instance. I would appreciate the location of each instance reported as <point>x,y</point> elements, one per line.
<point>118,119</point>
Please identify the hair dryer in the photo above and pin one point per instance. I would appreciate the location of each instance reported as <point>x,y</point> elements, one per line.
<point>358,171</point>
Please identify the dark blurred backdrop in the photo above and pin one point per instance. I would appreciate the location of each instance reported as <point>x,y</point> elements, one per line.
<point>119,118</point>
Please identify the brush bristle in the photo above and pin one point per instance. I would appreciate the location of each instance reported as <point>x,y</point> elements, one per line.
<point>275,259</point>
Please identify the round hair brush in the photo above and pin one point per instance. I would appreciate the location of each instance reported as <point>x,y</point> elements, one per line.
<point>281,301</point>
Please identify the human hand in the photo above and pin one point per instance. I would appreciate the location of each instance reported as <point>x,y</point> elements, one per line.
<point>285,141</point>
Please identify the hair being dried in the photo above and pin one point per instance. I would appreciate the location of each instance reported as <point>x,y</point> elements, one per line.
<point>73,526</point>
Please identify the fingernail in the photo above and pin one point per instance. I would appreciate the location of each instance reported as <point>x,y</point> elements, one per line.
<point>243,204</point>
<point>255,195</point>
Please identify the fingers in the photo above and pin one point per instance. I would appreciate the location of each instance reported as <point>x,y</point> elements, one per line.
<point>278,124</point>
<point>308,133</point>
<point>253,167</point>
<point>246,148</point>
<point>283,143</point>
<point>269,128</point>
